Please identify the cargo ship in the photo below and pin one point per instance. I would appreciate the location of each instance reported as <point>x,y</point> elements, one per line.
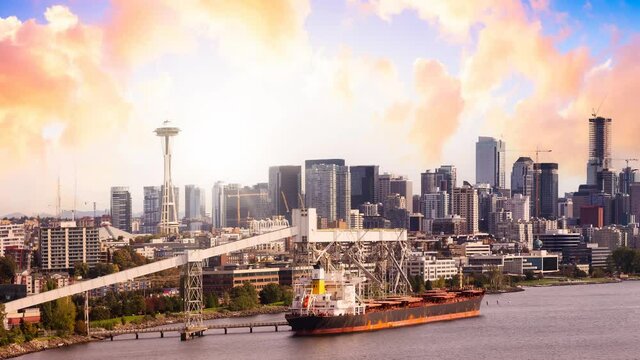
<point>327,303</point>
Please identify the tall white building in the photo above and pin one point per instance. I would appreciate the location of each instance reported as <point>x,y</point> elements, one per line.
<point>194,202</point>
<point>218,215</point>
<point>465,203</point>
<point>11,236</point>
<point>490,162</point>
<point>356,219</point>
<point>520,207</point>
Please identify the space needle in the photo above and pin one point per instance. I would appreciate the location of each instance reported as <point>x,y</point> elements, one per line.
<point>169,214</point>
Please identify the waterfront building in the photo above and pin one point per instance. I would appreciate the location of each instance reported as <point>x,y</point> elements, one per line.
<point>557,240</point>
<point>430,268</point>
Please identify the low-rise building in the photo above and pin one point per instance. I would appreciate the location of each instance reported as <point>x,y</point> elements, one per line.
<point>430,267</point>
<point>221,281</point>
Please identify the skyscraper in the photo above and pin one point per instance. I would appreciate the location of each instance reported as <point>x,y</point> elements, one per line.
<point>435,205</point>
<point>328,189</point>
<point>490,162</point>
<point>545,191</point>
<point>522,176</point>
<point>465,204</point>
<point>194,207</point>
<point>608,181</point>
<point>218,216</point>
<point>121,208</point>
<point>599,148</point>
<point>403,186</point>
<point>285,188</point>
<point>364,185</point>
<point>151,209</point>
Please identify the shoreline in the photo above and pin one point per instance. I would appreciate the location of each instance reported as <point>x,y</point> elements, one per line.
<point>55,342</point>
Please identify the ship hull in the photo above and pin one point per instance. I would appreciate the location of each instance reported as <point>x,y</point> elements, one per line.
<point>378,320</point>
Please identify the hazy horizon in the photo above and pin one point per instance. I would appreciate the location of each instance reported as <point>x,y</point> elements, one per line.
<point>407,85</point>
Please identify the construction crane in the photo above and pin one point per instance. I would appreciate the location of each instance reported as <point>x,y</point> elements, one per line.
<point>238,196</point>
<point>626,160</point>
<point>537,150</point>
<point>284,199</point>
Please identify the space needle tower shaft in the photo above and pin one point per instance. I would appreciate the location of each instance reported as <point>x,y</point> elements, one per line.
<point>169,215</point>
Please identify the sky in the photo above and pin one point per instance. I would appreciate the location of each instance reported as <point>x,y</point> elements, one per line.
<point>404,84</point>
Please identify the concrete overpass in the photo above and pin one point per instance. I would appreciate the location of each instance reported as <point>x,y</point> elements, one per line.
<point>130,274</point>
<point>307,240</point>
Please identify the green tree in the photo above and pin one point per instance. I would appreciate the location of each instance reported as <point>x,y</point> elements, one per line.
<point>211,300</point>
<point>623,258</point>
<point>64,316</point>
<point>137,305</point>
<point>243,297</point>
<point>7,269</point>
<point>81,269</point>
<point>270,294</point>
<point>428,285</point>
<point>529,275</point>
<point>287,295</point>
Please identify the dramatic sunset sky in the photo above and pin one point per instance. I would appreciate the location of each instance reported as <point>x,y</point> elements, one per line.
<point>406,84</point>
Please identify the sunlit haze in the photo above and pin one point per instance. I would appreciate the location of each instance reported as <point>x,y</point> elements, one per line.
<point>407,85</point>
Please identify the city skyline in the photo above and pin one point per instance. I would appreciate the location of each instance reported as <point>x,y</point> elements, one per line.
<point>338,78</point>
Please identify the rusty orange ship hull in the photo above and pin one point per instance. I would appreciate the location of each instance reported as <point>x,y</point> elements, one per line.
<point>414,314</point>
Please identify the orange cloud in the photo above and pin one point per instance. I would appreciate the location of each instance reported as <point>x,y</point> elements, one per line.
<point>51,77</point>
<point>438,107</point>
<point>141,30</point>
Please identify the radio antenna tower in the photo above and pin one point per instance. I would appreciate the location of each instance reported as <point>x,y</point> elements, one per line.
<point>169,214</point>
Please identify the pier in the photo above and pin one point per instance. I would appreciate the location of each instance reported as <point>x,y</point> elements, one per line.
<point>186,334</point>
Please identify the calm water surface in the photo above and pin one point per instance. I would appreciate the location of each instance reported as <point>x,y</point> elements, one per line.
<point>570,322</point>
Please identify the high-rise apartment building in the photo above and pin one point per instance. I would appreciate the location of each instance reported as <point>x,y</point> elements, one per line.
<point>634,200</point>
<point>599,148</point>
<point>465,204</point>
<point>151,209</point>
<point>364,185</point>
<point>121,208</point>
<point>435,205</point>
<point>61,247</point>
<point>218,216</point>
<point>490,162</point>
<point>545,191</point>
<point>522,176</point>
<point>194,202</point>
<point>11,236</point>
<point>328,189</point>
<point>285,188</point>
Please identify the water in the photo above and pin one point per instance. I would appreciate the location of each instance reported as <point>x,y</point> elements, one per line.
<point>570,322</point>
